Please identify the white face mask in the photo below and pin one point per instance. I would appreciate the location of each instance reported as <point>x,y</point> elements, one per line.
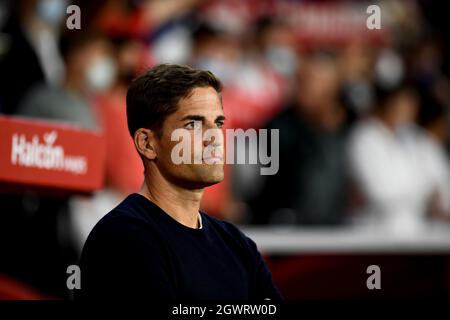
<point>223,69</point>
<point>389,68</point>
<point>101,74</point>
<point>52,11</point>
<point>282,58</point>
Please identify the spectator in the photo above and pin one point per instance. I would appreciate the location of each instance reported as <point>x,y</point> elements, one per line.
<point>309,188</point>
<point>33,33</point>
<point>390,159</point>
<point>90,69</point>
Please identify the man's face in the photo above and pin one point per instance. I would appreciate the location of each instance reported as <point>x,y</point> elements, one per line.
<point>404,108</point>
<point>319,83</point>
<point>202,107</point>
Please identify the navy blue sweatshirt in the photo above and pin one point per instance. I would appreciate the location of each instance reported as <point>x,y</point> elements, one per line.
<point>137,251</point>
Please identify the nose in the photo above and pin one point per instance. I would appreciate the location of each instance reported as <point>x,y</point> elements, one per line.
<point>213,138</point>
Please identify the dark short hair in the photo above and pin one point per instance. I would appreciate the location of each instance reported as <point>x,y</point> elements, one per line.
<point>384,95</point>
<point>155,94</point>
<point>74,42</point>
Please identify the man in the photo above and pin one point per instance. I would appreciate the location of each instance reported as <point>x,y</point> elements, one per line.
<point>310,186</point>
<point>156,244</point>
<point>394,164</point>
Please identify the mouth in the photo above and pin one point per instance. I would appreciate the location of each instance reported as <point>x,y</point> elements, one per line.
<point>212,160</point>
<point>215,157</point>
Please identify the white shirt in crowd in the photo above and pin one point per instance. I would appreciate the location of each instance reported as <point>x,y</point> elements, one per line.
<point>398,173</point>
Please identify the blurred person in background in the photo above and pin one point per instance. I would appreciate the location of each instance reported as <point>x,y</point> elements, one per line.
<point>310,187</point>
<point>280,50</point>
<point>275,53</point>
<point>398,170</point>
<point>357,68</point>
<point>123,171</point>
<point>90,69</point>
<point>33,31</point>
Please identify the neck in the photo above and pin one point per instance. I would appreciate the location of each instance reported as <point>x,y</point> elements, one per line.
<point>181,204</point>
<point>437,134</point>
<point>386,119</point>
<point>74,84</point>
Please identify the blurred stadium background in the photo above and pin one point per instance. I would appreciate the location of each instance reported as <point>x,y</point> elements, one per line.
<point>364,174</point>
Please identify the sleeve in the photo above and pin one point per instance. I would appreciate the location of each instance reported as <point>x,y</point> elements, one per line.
<point>371,168</point>
<point>261,283</point>
<point>123,261</point>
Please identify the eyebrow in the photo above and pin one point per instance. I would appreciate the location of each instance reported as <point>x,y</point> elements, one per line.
<point>200,118</point>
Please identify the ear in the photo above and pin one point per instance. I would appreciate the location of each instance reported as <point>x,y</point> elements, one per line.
<point>144,140</point>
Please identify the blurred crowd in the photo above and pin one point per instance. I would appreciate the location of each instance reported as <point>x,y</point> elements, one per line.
<point>363,115</point>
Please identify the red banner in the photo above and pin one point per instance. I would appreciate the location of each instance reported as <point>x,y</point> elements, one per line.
<point>49,155</point>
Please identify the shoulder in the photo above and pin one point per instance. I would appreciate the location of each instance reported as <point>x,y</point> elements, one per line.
<point>367,128</point>
<point>231,233</point>
<point>126,222</point>
<point>34,99</point>
<point>285,118</point>
<point>221,224</point>
<point>368,134</point>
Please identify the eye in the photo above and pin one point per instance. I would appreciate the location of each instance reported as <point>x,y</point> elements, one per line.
<point>190,125</point>
<point>219,124</point>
